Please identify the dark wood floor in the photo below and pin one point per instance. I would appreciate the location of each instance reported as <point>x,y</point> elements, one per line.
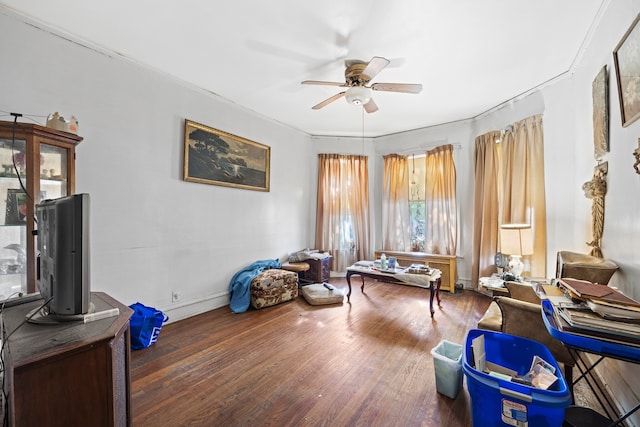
<point>367,363</point>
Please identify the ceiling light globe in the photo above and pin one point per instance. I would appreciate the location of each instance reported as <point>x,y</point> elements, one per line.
<point>358,95</point>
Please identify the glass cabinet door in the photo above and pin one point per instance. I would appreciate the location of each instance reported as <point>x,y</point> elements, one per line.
<point>53,172</point>
<point>13,211</point>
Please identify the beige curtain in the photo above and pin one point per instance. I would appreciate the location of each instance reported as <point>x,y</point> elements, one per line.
<point>509,188</point>
<point>485,207</point>
<point>441,230</point>
<point>342,216</point>
<point>396,221</point>
<point>522,153</point>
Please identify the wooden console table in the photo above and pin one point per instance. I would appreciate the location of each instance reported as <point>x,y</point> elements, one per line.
<point>431,281</point>
<point>73,373</point>
<point>445,263</point>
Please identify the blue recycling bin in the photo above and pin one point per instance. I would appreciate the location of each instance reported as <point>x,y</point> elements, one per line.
<point>500,402</point>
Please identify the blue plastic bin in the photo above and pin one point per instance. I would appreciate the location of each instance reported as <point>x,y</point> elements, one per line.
<point>497,402</point>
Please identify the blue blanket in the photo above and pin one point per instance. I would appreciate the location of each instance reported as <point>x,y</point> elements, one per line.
<point>240,285</point>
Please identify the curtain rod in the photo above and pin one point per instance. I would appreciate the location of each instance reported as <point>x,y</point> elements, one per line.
<point>415,150</point>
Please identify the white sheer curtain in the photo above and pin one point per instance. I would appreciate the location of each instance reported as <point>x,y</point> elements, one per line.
<point>523,195</point>
<point>509,188</point>
<point>396,221</point>
<point>441,226</point>
<point>342,216</point>
<point>485,206</point>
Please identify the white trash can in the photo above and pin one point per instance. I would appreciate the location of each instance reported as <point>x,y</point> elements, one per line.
<point>447,362</point>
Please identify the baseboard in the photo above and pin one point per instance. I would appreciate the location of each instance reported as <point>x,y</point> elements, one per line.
<point>183,310</point>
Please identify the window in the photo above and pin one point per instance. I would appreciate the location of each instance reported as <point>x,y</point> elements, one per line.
<point>417,207</point>
<point>419,210</point>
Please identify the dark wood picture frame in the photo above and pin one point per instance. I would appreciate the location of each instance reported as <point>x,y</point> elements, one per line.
<point>212,156</point>
<point>627,64</point>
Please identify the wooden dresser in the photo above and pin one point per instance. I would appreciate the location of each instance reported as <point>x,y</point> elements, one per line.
<point>445,263</point>
<point>71,374</point>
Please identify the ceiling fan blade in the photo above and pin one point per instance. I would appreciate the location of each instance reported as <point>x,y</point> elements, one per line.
<point>371,106</point>
<point>328,101</point>
<point>322,83</point>
<point>397,87</point>
<point>376,65</point>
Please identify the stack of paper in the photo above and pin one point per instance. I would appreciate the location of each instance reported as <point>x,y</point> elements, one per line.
<point>597,309</point>
<point>583,289</point>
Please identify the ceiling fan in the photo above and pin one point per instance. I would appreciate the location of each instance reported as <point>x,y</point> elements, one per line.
<point>357,76</point>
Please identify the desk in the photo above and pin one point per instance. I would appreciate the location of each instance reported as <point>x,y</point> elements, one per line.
<point>431,281</point>
<point>591,344</point>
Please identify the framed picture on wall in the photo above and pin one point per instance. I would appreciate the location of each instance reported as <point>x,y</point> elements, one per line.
<point>16,212</point>
<point>215,157</point>
<point>627,64</point>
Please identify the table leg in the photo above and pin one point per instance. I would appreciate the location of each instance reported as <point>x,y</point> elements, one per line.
<point>349,273</point>
<point>431,293</point>
<point>434,289</point>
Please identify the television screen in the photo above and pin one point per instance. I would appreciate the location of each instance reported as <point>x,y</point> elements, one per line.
<point>63,259</point>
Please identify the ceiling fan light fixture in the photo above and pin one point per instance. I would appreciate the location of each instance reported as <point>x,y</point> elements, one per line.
<point>358,95</point>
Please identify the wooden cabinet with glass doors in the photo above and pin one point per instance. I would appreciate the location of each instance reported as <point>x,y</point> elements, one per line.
<point>36,163</point>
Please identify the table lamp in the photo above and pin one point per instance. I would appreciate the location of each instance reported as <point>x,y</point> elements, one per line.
<point>516,240</point>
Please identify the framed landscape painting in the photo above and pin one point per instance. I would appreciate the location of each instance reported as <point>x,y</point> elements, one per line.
<point>215,157</point>
<point>626,59</point>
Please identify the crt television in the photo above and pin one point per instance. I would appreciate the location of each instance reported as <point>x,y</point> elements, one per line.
<point>63,259</point>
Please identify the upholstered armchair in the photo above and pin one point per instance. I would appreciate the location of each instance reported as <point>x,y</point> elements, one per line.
<point>584,267</point>
<point>520,314</point>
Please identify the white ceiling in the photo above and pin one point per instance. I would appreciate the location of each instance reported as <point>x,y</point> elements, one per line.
<point>469,55</point>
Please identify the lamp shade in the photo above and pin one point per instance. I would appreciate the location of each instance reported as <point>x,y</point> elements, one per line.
<point>358,95</point>
<point>516,239</point>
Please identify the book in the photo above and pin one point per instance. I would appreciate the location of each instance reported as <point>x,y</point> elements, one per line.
<point>586,290</point>
<point>613,311</point>
<point>593,321</point>
<point>611,304</point>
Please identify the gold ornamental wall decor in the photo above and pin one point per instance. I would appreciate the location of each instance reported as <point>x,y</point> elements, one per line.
<point>596,189</point>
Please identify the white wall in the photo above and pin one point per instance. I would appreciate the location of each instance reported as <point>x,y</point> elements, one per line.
<point>152,232</point>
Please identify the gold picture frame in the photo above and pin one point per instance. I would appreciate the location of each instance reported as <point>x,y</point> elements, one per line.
<point>627,64</point>
<point>600,93</point>
<point>212,156</point>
